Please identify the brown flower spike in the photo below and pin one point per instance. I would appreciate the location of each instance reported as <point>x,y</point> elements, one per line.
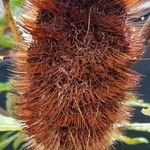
<point>75,74</point>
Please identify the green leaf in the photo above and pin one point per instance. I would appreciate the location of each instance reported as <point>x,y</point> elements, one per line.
<point>5,136</point>
<point>16,3</point>
<point>146,111</point>
<point>6,42</point>
<point>5,86</point>
<point>138,103</point>
<point>143,127</point>
<point>133,141</point>
<point>18,141</point>
<point>9,124</point>
<point>15,7</point>
<point>5,142</point>
<point>10,101</point>
<point>3,20</point>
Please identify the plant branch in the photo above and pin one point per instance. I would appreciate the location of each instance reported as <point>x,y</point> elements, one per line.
<point>11,21</point>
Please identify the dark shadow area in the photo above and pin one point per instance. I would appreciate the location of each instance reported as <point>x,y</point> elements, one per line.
<point>143,67</point>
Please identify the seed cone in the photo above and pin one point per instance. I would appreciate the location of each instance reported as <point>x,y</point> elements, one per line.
<point>75,74</point>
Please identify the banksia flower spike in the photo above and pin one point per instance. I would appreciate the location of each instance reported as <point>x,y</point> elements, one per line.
<point>74,76</point>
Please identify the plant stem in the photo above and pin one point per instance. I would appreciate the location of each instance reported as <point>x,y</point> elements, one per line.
<point>11,21</point>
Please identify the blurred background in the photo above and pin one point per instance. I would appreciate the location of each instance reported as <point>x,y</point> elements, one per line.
<point>9,137</point>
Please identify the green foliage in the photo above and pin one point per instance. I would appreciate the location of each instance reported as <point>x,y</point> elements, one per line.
<point>18,141</point>
<point>9,124</point>
<point>16,3</point>
<point>9,103</point>
<point>6,41</point>
<point>133,141</point>
<point>6,139</point>
<point>3,20</point>
<point>16,6</point>
<point>146,111</point>
<point>138,103</point>
<point>142,127</point>
<point>5,86</point>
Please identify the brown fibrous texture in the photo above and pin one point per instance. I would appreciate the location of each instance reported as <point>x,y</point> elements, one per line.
<point>75,75</point>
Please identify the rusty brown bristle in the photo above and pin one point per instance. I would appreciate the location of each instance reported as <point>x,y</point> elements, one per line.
<point>75,75</point>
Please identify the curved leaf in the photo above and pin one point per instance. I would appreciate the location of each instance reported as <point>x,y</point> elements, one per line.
<point>133,141</point>
<point>9,124</point>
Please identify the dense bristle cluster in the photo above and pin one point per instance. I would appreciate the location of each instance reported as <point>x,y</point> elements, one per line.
<point>76,74</point>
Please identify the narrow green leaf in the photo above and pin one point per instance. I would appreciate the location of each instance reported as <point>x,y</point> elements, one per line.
<point>16,7</point>
<point>7,141</point>
<point>16,3</point>
<point>143,127</point>
<point>9,124</point>
<point>10,101</point>
<point>5,136</point>
<point>5,86</point>
<point>18,141</point>
<point>6,41</point>
<point>2,30</point>
<point>138,103</point>
<point>146,111</point>
<point>133,141</point>
<point>3,20</point>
